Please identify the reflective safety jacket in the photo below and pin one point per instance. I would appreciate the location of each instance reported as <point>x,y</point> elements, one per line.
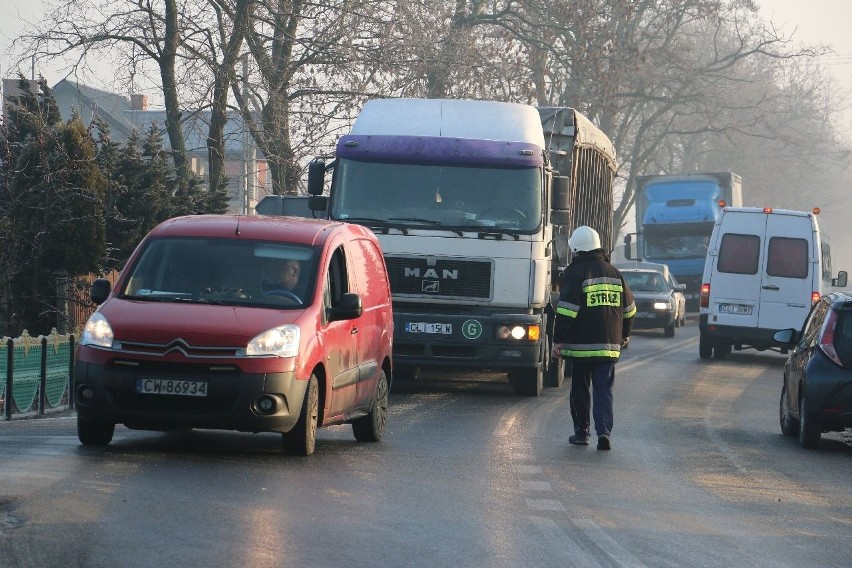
<point>595,309</point>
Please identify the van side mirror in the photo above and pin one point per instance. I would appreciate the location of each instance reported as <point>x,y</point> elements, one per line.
<point>100,290</point>
<point>349,307</point>
<point>840,281</point>
<point>316,177</point>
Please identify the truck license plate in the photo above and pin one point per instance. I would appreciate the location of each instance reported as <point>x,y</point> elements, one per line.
<point>427,327</point>
<point>738,309</point>
<point>172,387</point>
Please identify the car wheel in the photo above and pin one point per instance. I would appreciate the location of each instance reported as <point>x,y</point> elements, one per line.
<point>527,382</point>
<point>809,430</point>
<point>302,439</point>
<point>371,427</point>
<point>669,330</point>
<point>94,432</point>
<point>705,348</point>
<point>789,424</point>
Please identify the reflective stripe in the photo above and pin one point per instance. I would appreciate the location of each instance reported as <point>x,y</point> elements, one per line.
<point>630,311</point>
<point>602,280</point>
<point>592,346</point>
<point>592,353</point>
<point>603,288</point>
<point>566,312</point>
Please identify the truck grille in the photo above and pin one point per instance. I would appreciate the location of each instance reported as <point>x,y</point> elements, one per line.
<point>441,278</point>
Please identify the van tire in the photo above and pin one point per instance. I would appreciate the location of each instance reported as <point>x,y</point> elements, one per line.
<point>94,432</point>
<point>809,429</point>
<point>371,428</point>
<point>302,439</point>
<point>669,330</point>
<point>721,350</point>
<point>705,348</point>
<point>789,424</point>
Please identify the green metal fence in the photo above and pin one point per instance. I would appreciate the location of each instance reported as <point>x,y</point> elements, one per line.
<point>36,374</point>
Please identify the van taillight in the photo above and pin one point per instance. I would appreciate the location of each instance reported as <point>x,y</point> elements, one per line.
<point>814,297</point>
<point>704,299</point>
<point>826,338</point>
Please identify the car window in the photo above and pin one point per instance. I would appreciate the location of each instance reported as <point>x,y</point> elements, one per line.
<point>813,324</point>
<point>739,254</point>
<point>843,337</point>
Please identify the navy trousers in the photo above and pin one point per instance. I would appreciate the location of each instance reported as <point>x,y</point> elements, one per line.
<point>598,376</point>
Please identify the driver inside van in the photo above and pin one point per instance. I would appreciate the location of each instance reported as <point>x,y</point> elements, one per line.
<point>285,276</point>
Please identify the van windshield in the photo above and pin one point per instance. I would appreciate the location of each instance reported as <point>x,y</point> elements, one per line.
<point>223,271</point>
<point>430,195</point>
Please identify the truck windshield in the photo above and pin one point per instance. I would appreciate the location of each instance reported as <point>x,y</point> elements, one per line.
<point>659,247</point>
<point>438,195</point>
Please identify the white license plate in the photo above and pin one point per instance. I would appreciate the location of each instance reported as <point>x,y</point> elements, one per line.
<point>643,315</point>
<point>427,327</point>
<point>171,387</point>
<point>738,309</point>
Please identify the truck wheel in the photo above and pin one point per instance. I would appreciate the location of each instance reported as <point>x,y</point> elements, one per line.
<point>556,372</point>
<point>371,427</point>
<point>94,432</point>
<point>302,439</point>
<point>705,348</point>
<point>809,429</point>
<point>527,382</point>
<point>789,425</point>
<point>669,330</point>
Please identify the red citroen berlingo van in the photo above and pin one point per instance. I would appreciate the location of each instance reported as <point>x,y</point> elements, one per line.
<point>249,323</point>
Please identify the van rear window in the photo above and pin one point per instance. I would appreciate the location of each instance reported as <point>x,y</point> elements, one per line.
<point>739,254</point>
<point>787,257</point>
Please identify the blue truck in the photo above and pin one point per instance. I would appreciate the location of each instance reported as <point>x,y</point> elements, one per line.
<point>675,215</point>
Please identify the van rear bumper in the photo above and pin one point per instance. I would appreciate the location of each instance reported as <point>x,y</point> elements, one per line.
<point>756,337</point>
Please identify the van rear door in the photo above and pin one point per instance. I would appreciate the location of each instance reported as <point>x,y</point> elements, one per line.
<point>788,271</point>
<point>735,282</point>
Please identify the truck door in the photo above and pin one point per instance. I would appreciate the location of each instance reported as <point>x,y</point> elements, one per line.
<point>788,273</point>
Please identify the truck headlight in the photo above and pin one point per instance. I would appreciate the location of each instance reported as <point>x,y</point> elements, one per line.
<point>282,341</point>
<point>514,332</point>
<point>662,305</point>
<point>97,332</point>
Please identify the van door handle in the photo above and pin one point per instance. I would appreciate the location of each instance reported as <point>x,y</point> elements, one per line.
<point>771,287</point>
<point>354,331</point>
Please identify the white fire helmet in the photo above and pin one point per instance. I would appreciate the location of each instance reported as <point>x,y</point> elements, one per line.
<point>584,239</point>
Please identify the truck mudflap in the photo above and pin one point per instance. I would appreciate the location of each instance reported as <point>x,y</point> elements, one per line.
<point>466,340</point>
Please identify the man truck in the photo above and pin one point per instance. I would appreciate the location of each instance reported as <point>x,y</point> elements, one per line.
<point>472,202</point>
<point>675,215</point>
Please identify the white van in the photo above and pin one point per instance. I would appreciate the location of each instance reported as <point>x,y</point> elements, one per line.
<point>765,268</point>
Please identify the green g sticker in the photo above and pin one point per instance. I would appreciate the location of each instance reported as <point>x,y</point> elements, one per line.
<point>471,329</point>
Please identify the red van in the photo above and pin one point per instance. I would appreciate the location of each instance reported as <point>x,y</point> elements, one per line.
<point>248,323</point>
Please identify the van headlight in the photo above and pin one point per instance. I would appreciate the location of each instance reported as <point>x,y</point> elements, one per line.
<point>281,341</point>
<point>97,332</point>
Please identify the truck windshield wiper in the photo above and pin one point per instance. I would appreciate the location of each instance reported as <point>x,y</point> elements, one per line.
<point>493,233</point>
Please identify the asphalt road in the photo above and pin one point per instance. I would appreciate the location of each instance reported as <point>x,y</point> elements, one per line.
<point>468,475</point>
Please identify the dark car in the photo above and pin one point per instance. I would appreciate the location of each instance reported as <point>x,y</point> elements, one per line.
<point>659,301</point>
<point>816,396</point>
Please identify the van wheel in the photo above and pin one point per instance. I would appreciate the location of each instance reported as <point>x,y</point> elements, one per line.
<point>721,350</point>
<point>371,427</point>
<point>669,331</point>
<point>94,432</point>
<point>302,439</point>
<point>789,425</point>
<point>527,382</point>
<point>809,429</point>
<point>705,348</point>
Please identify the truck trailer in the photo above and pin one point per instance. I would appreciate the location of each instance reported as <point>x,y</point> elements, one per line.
<point>472,216</point>
<point>675,215</point>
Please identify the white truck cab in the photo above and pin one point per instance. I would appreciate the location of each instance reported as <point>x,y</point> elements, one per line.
<point>765,268</point>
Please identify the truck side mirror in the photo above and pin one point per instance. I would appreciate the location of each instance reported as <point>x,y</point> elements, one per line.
<point>628,248</point>
<point>316,177</point>
<point>560,201</point>
<point>841,280</point>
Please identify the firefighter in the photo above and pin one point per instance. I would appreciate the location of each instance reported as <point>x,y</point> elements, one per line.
<point>593,321</point>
